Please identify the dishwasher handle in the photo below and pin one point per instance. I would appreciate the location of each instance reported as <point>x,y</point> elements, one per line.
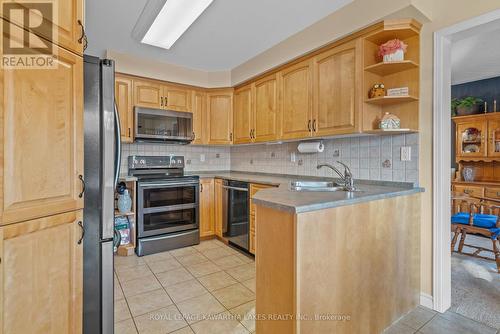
<point>235,188</point>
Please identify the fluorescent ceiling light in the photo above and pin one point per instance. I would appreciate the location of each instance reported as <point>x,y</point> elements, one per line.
<point>173,20</point>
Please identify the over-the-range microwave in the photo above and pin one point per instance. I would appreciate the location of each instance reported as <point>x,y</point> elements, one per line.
<point>168,126</point>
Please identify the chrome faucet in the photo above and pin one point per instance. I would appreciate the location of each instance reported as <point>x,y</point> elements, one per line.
<point>346,177</point>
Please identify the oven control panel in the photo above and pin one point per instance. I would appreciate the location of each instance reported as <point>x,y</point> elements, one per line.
<point>150,162</point>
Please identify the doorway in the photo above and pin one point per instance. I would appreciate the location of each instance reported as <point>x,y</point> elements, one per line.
<point>448,267</point>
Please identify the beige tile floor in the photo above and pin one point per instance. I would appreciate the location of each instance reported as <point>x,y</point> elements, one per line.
<point>207,288</point>
<point>210,288</point>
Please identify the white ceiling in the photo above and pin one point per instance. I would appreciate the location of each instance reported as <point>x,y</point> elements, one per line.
<point>226,35</point>
<point>475,55</point>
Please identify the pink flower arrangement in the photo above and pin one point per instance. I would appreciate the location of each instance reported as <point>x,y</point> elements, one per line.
<point>391,47</point>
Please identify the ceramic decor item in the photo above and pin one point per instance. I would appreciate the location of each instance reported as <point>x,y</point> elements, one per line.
<point>390,122</point>
<point>393,50</point>
<point>377,90</point>
<point>124,202</point>
<point>469,174</point>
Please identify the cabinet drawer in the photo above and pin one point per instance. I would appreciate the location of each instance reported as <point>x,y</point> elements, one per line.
<point>470,190</point>
<point>492,192</point>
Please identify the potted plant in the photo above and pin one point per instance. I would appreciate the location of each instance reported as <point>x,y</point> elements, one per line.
<point>468,106</point>
<point>392,50</point>
<point>454,104</point>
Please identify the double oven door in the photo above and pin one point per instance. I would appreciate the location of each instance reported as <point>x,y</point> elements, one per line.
<point>167,206</point>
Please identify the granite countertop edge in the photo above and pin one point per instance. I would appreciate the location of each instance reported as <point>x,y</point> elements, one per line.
<point>335,203</point>
<point>276,198</point>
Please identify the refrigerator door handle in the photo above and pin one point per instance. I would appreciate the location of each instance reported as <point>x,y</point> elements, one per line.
<point>118,145</point>
<point>109,153</point>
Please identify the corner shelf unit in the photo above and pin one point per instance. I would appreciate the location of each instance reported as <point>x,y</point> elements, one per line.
<point>393,75</point>
<point>128,249</point>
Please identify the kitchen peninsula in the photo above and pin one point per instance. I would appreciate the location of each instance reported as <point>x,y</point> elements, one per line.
<point>341,262</point>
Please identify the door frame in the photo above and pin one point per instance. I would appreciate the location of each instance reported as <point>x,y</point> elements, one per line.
<point>441,266</point>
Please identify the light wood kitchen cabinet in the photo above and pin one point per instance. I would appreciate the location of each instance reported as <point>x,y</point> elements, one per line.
<point>337,74</point>
<point>67,23</point>
<point>42,274</point>
<point>207,207</point>
<point>199,109</point>
<point>125,105</point>
<point>176,98</point>
<point>219,207</point>
<point>296,100</point>
<point>254,188</point>
<point>475,191</point>
<point>266,120</point>
<point>148,94</point>
<point>220,116</point>
<point>243,115</point>
<point>42,131</point>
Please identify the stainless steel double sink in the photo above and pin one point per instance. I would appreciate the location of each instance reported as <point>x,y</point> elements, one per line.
<point>315,186</point>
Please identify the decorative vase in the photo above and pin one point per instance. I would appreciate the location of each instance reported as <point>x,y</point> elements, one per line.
<point>399,55</point>
<point>124,202</point>
<point>469,174</point>
<point>390,122</point>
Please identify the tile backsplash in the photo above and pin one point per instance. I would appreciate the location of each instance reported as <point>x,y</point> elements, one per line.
<point>216,157</point>
<point>370,157</point>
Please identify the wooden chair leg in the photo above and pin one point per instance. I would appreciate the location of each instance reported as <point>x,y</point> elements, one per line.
<point>455,238</point>
<point>496,250</point>
<point>462,241</point>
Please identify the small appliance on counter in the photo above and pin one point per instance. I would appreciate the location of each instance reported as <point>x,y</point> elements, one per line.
<point>167,204</point>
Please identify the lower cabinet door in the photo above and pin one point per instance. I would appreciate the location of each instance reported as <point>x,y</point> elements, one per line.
<point>41,275</point>
<point>207,227</point>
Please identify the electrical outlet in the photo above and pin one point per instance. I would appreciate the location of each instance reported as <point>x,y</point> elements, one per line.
<point>202,157</point>
<point>405,153</point>
<point>292,157</point>
<point>336,153</point>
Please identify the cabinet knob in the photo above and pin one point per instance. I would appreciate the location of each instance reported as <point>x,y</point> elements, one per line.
<point>309,125</point>
<point>314,125</point>
<point>161,101</point>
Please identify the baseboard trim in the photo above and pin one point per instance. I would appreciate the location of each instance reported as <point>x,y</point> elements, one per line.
<point>426,300</point>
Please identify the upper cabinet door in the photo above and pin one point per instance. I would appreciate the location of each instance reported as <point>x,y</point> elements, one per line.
<point>243,115</point>
<point>336,102</point>
<point>470,140</point>
<point>124,103</point>
<point>494,138</point>
<point>199,106</point>
<point>266,109</point>
<point>176,98</point>
<point>41,117</point>
<point>220,117</point>
<point>66,30</point>
<point>148,94</point>
<point>296,100</point>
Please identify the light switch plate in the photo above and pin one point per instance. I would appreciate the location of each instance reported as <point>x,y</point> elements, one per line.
<point>292,157</point>
<point>202,157</point>
<point>405,153</point>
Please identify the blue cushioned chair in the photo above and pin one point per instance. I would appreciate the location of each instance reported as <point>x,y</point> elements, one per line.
<point>478,216</point>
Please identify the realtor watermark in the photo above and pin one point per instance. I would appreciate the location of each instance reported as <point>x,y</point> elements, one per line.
<point>28,34</point>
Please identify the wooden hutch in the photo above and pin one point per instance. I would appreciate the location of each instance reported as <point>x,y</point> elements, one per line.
<point>478,146</point>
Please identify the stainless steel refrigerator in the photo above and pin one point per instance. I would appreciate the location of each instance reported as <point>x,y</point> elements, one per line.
<point>102,163</point>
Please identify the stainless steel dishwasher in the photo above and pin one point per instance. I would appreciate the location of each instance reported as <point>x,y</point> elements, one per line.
<point>236,216</point>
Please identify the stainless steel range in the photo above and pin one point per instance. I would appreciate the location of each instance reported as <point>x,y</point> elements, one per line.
<point>167,204</point>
